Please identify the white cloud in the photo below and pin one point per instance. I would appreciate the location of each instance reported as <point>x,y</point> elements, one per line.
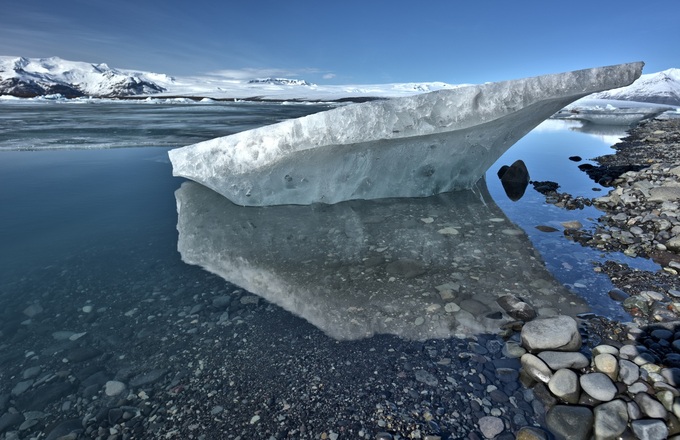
<point>253,73</point>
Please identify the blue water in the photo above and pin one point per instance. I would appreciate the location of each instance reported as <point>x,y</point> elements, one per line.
<point>72,192</point>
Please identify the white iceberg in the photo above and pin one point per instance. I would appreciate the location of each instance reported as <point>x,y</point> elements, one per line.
<point>413,146</point>
<point>612,112</point>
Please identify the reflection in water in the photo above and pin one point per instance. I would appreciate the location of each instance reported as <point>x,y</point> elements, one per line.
<point>418,267</point>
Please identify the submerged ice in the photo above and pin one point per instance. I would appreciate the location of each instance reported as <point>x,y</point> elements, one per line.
<point>414,146</point>
<point>418,268</point>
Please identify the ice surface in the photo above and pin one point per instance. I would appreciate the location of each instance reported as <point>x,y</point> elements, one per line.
<point>418,268</point>
<point>413,146</point>
<point>612,112</point>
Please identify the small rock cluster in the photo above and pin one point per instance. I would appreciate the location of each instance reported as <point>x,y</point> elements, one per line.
<point>622,390</point>
<point>642,213</point>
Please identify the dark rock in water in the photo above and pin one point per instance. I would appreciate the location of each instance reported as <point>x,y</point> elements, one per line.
<point>406,268</point>
<point>38,399</point>
<point>9,420</point>
<point>515,179</point>
<point>618,295</point>
<point>147,378</point>
<point>606,174</point>
<point>544,228</point>
<point>4,401</point>
<point>516,308</point>
<point>545,187</point>
<point>575,158</point>
<point>81,354</point>
<point>570,422</point>
<point>73,426</point>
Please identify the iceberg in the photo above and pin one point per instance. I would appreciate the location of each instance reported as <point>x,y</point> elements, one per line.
<point>413,146</point>
<point>417,268</point>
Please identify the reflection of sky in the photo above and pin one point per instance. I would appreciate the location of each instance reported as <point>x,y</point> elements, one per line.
<point>546,151</point>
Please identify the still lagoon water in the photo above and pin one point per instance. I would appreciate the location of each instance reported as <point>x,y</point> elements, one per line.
<point>101,244</point>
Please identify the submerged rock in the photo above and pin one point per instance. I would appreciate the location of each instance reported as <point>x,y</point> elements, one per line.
<point>414,146</point>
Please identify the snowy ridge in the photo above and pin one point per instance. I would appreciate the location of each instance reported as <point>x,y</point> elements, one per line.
<point>31,77</point>
<point>659,88</point>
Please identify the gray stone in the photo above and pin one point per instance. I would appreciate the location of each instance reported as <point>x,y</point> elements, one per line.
<point>147,378</point>
<point>559,333</point>
<point>10,420</point>
<point>30,373</point>
<point>406,268</point>
<point>629,351</point>
<point>39,398</point>
<point>114,388</point>
<point>564,359</point>
<point>650,406</point>
<point>565,385</point>
<point>531,433</point>
<point>516,308</point>
<point>664,194</point>
<point>491,426</point>
<point>536,368</point>
<point>672,376</point>
<point>629,373</point>
<point>68,427</point>
<point>650,429</point>
<point>606,363</point>
<point>634,412</point>
<point>426,378</point>
<point>221,302</point>
<point>21,387</point>
<point>611,419</point>
<point>570,422</point>
<point>33,310</point>
<point>598,386</point>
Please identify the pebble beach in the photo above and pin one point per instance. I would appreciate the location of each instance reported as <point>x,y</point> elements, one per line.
<point>185,361</point>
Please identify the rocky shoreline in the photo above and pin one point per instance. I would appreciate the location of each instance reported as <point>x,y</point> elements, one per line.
<point>193,357</point>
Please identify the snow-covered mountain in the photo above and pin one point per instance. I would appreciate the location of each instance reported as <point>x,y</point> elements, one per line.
<point>29,77</point>
<point>660,88</point>
<point>280,81</point>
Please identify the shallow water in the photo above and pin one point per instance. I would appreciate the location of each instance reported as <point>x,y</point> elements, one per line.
<point>93,286</point>
<point>62,203</point>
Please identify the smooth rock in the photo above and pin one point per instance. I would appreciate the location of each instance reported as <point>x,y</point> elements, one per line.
<point>650,406</point>
<point>564,359</point>
<point>606,363</point>
<point>598,386</point>
<point>559,333</point>
<point>611,419</point>
<point>516,308</point>
<point>649,429</point>
<point>426,378</point>
<point>536,368</point>
<point>147,378</point>
<point>564,384</point>
<point>629,372</point>
<point>21,387</point>
<point>604,348</point>
<point>114,388</point>
<point>33,310</point>
<point>10,420</point>
<point>672,376</point>
<point>570,422</point>
<point>531,433</point>
<point>491,426</point>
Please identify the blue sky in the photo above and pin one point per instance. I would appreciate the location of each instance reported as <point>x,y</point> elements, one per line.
<point>340,42</point>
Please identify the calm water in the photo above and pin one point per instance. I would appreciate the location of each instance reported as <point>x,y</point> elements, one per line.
<point>65,195</point>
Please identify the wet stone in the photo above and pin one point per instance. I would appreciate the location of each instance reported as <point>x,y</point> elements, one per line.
<point>564,359</point>
<point>570,422</point>
<point>598,386</point>
<point>649,429</point>
<point>491,426</point>
<point>559,334</point>
<point>565,385</point>
<point>426,378</point>
<point>147,378</point>
<point>10,420</point>
<point>650,406</point>
<point>611,419</point>
<point>81,354</point>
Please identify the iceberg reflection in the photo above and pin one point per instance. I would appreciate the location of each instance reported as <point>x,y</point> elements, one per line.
<point>417,268</point>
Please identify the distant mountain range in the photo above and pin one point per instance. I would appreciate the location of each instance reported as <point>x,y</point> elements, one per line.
<point>31,77</point>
